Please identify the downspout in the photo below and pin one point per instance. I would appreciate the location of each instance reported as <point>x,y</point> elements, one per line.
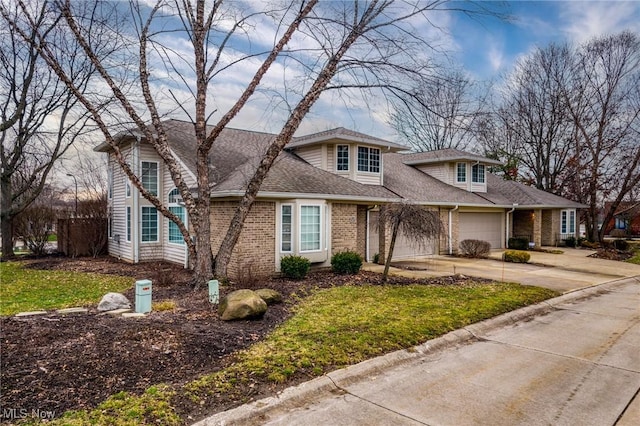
<point>135,220</point>
<point>508,235</point>
<point>451,228</point>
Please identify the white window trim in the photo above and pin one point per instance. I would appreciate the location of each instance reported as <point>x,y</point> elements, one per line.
<point>484,174</point>
<point>321,230</point>
<point>157,174</point>
<point>128,219</point>
<point>169,221</point>
<point>127,187</point>
<point>465,173</point>
<point>348,158</point>
<point>110,182</point>
<point>568,213</point>
<point>157,226</point>
<point>292,231</point>
<point>369,160</point>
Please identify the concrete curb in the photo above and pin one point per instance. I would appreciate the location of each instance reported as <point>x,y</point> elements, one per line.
<point>257,412</point>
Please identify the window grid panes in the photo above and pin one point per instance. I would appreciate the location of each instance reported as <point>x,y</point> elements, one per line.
<point>461,172</point>
<point>149,224</point>
<point>568,222</point>
<point>174,232</point>
<point>368,159</point>
<point>128,223</point>
<point>285,235</point>
<point>309,228</point>
<point>150,176</point>
<point>343,158</point>
<point>477,173</point>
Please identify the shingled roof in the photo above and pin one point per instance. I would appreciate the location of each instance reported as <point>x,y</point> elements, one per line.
<point>341,134</point>
<point>445,155</point>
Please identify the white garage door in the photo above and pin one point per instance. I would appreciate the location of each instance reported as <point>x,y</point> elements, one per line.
<point>404,249</point>
<point>481,226</point>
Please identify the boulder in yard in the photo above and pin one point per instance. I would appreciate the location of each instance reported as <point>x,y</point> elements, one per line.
<point>111,301</point>
<point>242,304</point>
<point>271,297</point>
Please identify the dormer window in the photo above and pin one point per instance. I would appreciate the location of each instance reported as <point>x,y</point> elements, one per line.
<point>342,164</point>
<point>368,159</point>
<point>477,173</point>
<point>461,172</point>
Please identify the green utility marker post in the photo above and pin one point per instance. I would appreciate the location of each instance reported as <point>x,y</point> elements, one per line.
<point>143,296</point>
<point>214,291</point>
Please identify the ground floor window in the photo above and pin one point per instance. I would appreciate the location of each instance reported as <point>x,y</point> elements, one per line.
<point>309,228</point>
<point>128,223</point>
<point>175,236</point>
<point>286,228</point>
<point>149,224</point>
<point>568,222</point>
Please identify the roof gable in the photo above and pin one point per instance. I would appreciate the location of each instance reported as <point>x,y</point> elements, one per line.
<point>341,134</point>
<point>445,156</point>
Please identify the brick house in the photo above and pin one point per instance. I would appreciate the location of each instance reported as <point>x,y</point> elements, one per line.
<point>625,218</point>
<point>322,196</point>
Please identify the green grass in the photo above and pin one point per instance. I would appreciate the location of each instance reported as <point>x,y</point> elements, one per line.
<point>330,329</point>
<point>30,289</point>
<point>636,254</point>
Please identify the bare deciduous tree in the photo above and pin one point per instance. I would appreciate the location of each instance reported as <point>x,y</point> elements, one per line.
<point>346,46</point>
<point>416,223</point>
<point>441,112</point>
<point>40,118</point>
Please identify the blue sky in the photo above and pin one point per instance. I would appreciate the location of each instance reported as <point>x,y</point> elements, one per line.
<point>491,46</point>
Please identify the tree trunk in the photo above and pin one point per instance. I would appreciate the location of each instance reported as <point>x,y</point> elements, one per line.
<point>392,245</point>
<point>7,221</point>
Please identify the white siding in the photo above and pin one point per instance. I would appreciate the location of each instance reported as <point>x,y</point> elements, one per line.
<point>438,171</point>
<point>118,246</point>
<point>369,178</point>
<point>478,187</point>
<point>311,154</point>
<point>171,251</point>
<point>331,158</point>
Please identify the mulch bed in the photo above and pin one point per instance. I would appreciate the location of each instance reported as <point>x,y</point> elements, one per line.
<point>612,254</point>
<point>59,363</point>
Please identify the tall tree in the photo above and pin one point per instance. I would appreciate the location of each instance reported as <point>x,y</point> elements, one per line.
<point>603,98</point>
<point>345,45</point>
<point>40,118</point>
<point>442,112</point>
<point>533,124</point>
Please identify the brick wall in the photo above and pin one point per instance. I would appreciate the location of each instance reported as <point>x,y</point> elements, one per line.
<point>550,226</point>
<point>362,231</point>
<point>444,237</point>
<point>344,227</point>
<point>522,223</point>
<point>255,251</point>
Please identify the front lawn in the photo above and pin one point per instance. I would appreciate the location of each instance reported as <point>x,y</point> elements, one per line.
<point>330,329</point>
<point>23,289</point>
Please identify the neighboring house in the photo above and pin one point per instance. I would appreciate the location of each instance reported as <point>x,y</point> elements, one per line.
<point>626,218</point>
<point>322,196</point>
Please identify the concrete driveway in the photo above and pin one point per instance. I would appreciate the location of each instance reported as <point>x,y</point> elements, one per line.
<point>569,271</point>
<point>572,360</point>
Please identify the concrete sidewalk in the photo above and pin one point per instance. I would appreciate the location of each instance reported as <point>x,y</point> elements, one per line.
<point>570,360</point>
<point>565,272</point>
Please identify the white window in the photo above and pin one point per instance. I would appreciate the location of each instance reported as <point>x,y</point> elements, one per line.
<point>368,159</point>
<point>477,173</point>
<point>127,187</point>
<point>568,222</point>
<point>310,228</point>
<point>342,158</point>
<point>110,182</point>
<point>286,214</point>
<point>175,236</point>
<point>150,176</point>
<point>149,224</point>
<point>128,224</point>
<point>461,172</point>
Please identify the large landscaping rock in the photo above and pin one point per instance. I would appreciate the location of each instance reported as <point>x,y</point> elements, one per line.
<point>271,297</point>
<point>242,304</point>
<point>111,301</point>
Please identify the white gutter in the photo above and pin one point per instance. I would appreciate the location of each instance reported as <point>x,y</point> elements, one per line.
<point>506,243</point>
<point>451,229</point>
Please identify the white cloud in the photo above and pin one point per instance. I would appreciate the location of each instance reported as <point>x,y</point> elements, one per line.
<point>585,20</point>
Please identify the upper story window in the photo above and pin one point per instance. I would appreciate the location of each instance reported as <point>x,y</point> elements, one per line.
<point>342,158</point>
<point>150,176</point>
<point>461,172</point>
<point>368,159</point>
<point>477,173</point>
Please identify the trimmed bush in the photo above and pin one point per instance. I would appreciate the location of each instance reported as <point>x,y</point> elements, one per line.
<point>346,262</point>
<point>516,256</point>
<point>518,243</point>
<point>294,267</point>
<point>571,242</point>
<point>475,248</point>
